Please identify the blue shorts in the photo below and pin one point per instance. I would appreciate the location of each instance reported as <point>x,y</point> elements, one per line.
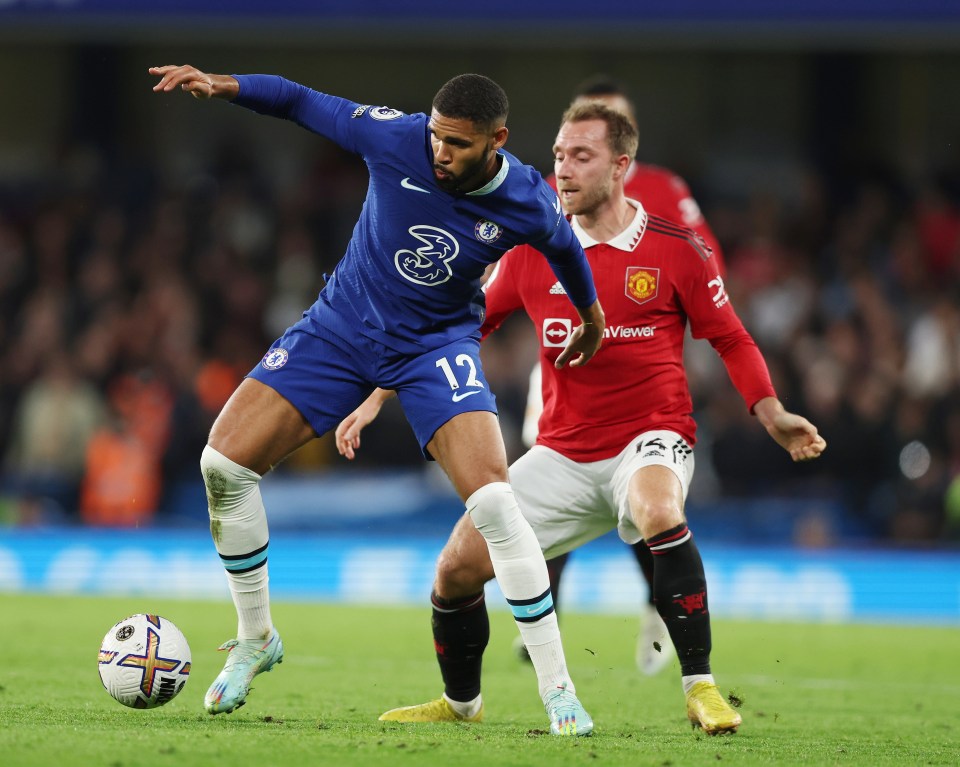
<point>326,377</point>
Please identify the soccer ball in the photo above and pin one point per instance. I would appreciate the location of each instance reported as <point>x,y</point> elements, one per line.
<point>144,661</point>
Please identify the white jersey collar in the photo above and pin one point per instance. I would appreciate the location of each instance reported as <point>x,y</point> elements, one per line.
<point>496,180</point>
<point>627,239</point>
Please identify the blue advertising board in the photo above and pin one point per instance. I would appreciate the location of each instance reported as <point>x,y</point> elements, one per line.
<point>757,583</point>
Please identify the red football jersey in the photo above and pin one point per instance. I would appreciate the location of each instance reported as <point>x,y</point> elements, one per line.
<point>663,193</point>
<point>651,279</point>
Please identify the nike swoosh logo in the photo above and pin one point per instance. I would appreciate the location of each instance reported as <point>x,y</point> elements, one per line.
<point>407,184</point>
<point>457,396</point>
<point>556,204</point>
<point>532,610</point>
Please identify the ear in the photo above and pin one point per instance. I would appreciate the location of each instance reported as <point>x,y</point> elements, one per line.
<point>500,137</point>
<point>621,164</point>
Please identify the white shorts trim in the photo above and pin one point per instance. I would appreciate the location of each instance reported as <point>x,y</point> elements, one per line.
<point>569,503</point>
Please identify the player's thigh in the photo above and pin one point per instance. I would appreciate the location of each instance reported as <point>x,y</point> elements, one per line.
<point>469,447</point>
<point>452,411</point>
<point>565,502</point>
<point>258,428</point>
<point>304,385</point>
<point>650,484</point>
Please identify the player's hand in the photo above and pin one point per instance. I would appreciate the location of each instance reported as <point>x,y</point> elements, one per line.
<point>348,432</point>
<point>583,342</point>
<point>191,80</point>
<point>792,432</point>
<point>585,339</point>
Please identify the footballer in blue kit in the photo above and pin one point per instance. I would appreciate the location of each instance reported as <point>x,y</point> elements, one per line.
<point>410,280</point>
<point>402,311</point>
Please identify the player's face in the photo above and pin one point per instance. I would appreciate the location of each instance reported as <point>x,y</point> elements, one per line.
<point>584,165</point>
<point>464,156</point>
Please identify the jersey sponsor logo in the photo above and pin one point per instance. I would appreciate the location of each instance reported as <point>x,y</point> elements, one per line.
<point>406,183</point>
<point>487,231</point>
<point>385,113</point>
<point>556,331</point>
<point>459,395</point>
<point>557,290</point>
<point>430,263</point>
<point>720,297</point>
<point>358,112</point>
<point>625,331</point>
<point>275,359</point>
<point>642,283</point>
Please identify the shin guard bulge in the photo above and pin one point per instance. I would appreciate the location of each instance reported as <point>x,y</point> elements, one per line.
<point>522,575</point>
<point>238,524</point>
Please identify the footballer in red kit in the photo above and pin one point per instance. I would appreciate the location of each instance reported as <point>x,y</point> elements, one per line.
<point>653,278</point>
<point>663,194</point>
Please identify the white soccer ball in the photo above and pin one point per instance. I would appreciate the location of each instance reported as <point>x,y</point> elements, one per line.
<point>144,661</point>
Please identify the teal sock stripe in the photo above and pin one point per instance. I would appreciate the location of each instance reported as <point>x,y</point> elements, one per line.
<point>244,563</point>
<point>531,610</point>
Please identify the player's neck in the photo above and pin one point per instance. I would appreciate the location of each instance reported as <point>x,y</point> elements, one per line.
<point>489,173</point>
<point>609,219</point>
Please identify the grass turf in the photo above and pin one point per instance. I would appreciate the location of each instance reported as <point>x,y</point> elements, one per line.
<point>811,694</point>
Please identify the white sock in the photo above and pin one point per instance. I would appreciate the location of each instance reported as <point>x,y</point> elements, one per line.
<point>692,679</point>
<point>465,708</point>
<point>548,657</point>
<point>522,575</point>
<point>251,597</point>
<point>238,524</point>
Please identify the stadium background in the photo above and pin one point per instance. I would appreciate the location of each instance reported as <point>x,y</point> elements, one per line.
<point>151,247</point>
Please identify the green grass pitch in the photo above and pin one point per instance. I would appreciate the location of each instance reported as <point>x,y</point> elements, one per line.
<point>811,694</point>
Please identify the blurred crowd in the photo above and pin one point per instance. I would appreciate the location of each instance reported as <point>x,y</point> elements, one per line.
<point>132,304</point>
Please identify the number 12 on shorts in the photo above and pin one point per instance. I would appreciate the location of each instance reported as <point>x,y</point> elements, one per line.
<point>461,360</point>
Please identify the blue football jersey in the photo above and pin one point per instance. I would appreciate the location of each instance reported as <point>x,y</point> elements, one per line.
<point>410,278</point>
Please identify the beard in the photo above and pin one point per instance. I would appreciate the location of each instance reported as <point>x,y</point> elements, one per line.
<point>468,180</point>
<point>588,202</point>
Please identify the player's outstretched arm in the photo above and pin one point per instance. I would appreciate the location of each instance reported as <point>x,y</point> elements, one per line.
<point>792,432</point>
<point>585,339</point>
<point>191,80</point>
<point>348,432</point>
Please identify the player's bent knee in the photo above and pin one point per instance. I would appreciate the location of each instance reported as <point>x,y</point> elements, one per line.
<point>654,518</point>
<point>495,512</point>
<point>228,483</point>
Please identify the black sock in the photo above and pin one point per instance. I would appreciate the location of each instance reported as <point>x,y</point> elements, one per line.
<point>555,571</point>
<point>641,553</point>
<point>680,588</point>
<point>461,630</point>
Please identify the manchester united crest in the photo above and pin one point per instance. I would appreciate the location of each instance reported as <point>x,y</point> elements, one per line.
<point>642,283</point>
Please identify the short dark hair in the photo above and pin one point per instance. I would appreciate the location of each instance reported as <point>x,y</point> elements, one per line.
<point>473,97</point>
<point>600,85</point>
<point>621,132</point>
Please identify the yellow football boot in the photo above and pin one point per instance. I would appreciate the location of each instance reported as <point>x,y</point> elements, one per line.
<point>434,711</point>
<point>706,708</point>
